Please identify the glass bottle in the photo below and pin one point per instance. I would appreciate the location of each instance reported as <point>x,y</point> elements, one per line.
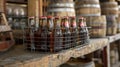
<point>86,33</point>
<point>81,28</point>
<point>58,36</point>
<point>50,27</point>
<point>74,31</point>
<point>44,31</point>
<point>66,33</point>
<point>31,32</point>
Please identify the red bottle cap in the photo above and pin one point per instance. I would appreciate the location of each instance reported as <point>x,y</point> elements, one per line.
<point>57,17</point>
<point>49,17</point>
<point>43,17</point>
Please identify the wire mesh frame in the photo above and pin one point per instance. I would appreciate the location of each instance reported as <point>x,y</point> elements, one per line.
<point>34,43</point>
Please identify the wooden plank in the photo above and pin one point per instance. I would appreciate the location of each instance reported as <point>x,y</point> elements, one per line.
<point>113,38</point>
<point>52,60</point>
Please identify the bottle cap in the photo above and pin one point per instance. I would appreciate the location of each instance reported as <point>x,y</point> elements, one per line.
<point>43,17</point>
<point>57,17</point>
<point>49,17</point>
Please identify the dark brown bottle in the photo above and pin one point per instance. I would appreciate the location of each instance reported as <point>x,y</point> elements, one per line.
<point>50,27</point>
<point>66,33</point>
<point>43,34</point>
<point>86,33</point>
<point>74,32</point>
<point>30,33</point>
<point>38,33</point>
<point>31,23</point>
<point>81,28</point>
<point>58,36</point>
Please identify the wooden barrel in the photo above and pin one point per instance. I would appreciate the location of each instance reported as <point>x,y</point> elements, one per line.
<point>61,1</point>
<point>61,8</point>
<point>109,8</point>
<point>97,24</point>
<point>111,25</point>
<point>16,9</point>
<point>87,8</point>
<point>118,25</point>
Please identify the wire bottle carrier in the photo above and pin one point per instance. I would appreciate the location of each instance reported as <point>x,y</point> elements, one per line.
<point>52,34</point>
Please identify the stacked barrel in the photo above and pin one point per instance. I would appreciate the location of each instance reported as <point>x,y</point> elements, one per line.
<point>91,10</point>
<point>61,8</point>
<point>110,9</point>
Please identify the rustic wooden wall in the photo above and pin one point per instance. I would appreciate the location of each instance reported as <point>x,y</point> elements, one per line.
<point>35,8</point>
<point>2,5</point>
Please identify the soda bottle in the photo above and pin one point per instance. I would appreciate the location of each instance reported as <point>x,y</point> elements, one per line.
<point>74,31</point>
<point>81,28</point>
<point>86,33</point>
<point>66,33</point>
<point>50,27</point>
<point>38,39</point>
<point>31,32</point>
<point>44,31</point>
<point>58,36</point>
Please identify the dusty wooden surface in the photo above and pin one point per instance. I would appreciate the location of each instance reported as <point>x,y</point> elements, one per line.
<point>18,57</point>
<point>114,38</point>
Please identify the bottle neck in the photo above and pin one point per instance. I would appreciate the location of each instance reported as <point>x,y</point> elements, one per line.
<point>81,23</point>
<point>57,23</point>
<point>44,23</point>
<point>73,23</point>
<point>65,23</point>
<point>50,24</point>
<point>32,22</point>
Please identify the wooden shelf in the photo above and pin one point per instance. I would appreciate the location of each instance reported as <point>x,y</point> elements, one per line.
<point>26,59</point>
<point>114,38</point>
<point>18,57</point>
